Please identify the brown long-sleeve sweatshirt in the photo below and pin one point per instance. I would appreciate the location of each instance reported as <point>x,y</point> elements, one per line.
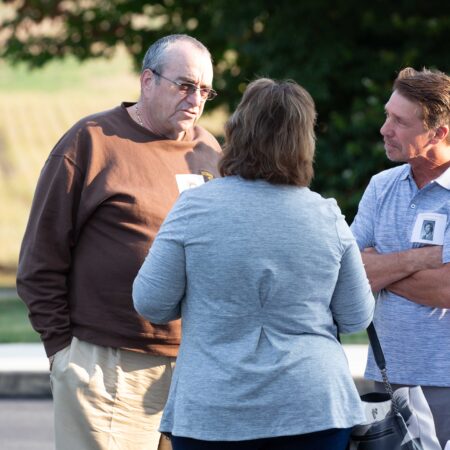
<point>101,197</point>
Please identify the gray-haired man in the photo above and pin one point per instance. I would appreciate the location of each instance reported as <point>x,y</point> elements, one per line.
<point>101,198</point>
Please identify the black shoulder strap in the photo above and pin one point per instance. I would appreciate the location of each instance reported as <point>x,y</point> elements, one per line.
<point>376,347</point>
<point>379,359</point>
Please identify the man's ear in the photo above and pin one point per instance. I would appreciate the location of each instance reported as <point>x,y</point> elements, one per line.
<point>146,77</point>
<point>440,134</point>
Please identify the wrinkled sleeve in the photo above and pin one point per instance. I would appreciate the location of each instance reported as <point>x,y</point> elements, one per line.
<point>352,303</point>
<point>363,225</point>
<point>45,255</point>
<point>160,284</point>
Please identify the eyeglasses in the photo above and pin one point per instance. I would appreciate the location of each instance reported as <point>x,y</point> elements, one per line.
<point>190,88</point>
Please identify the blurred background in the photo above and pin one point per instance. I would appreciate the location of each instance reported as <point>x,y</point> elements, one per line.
<point>62,60</point>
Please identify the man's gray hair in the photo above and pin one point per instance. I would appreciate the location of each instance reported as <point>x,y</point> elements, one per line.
<point>155,56</point>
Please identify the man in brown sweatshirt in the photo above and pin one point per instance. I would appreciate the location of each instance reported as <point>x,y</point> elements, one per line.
<point>101,197</point>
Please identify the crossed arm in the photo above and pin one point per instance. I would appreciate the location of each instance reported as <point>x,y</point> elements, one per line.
<point>416,274</point>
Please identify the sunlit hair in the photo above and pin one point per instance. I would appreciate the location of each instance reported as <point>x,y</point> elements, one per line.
<point>271,136</point>
<point>429,88</point>
<point>156,54</point>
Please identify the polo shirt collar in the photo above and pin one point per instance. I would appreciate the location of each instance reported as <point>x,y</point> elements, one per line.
<point>406,173</point>
<point>443,179</point>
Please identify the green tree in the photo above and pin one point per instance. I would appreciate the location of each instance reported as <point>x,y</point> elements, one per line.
<point>346,53</point>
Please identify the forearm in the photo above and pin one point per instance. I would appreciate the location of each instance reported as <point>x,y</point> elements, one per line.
<point>385,269</point>
<point>426,287</point>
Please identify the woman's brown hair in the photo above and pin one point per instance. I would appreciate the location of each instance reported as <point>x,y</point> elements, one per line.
<point>271,136</point>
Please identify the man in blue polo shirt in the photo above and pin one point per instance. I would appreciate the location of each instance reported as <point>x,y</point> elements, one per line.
<point>410,270</point>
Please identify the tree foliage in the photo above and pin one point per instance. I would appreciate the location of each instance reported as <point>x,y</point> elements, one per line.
<point>346,53</point>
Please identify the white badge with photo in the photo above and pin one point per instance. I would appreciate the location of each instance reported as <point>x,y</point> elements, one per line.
<point>429,228</point>
<point>188,181</point>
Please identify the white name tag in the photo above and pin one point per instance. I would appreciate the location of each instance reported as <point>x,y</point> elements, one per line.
<point>429,228</point>
<point>188,181</point>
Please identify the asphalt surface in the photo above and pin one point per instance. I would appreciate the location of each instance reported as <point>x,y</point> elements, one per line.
<point>26,424</point>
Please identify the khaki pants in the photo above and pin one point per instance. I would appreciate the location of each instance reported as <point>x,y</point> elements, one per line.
<point>108,399</point>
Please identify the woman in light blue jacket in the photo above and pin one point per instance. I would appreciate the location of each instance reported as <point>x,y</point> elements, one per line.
<point>260,269</point>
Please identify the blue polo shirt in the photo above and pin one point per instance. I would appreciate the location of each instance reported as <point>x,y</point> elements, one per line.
<point>415,338</point>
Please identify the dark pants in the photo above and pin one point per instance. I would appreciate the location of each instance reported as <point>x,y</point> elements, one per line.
<point>334,439</point>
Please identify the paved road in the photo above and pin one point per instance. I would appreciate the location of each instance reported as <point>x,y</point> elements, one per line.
<point>26,424</point>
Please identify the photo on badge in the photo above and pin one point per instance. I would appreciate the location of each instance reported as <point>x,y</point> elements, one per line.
<point>429,228</point>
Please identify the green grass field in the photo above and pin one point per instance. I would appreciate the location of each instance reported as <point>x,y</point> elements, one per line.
<point>15,326</point>
<point>14,323</point>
